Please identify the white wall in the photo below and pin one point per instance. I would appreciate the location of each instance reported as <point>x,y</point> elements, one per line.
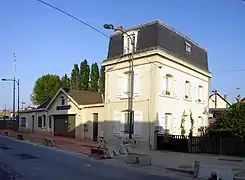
<point>176,104</point>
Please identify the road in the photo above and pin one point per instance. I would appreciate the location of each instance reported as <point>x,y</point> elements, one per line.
<point>26,161</point>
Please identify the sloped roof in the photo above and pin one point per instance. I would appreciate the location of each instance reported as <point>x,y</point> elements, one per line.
<point>221,98</point>
<point>44,104</point>
<point>85,97</point>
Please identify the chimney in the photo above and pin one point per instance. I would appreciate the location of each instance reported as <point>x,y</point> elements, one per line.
<point>118,29</point>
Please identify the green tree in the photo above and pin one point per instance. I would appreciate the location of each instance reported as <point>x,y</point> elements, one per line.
<point>94,77</point>
<point>65,81</point>
<point>102,79</point>
<point>84,75</point>
<point>45,88</point>
<point>232,121</point>
<point>75,77</point>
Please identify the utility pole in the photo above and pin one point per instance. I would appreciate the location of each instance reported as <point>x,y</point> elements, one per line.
<point>131,92</point>
<point>130,110</point>
<point>14,59</point>
<point>238,97</point>
<point>215,98</point>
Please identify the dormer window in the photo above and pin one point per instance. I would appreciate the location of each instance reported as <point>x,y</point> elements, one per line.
<point>62,99</point>
<point>128,47</point>
<point>187,47</point>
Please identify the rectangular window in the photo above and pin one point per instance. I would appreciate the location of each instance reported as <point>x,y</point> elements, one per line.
<point>44,120</point>
<point>138,121</point>
<point>128,47</point>
<point>187,90</point>
<point>127,123</point>
<point>168,119</point>
<point>23,121</point>
<point>200,93</point>
<point>50,122</point>
<point>187,47</point>
<point>169,84</point>
<point>40,121</point>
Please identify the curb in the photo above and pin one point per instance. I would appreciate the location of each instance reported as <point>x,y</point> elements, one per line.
<point>180,170</point>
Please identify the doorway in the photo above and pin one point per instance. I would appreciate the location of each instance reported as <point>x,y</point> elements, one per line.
<point>95,127</point>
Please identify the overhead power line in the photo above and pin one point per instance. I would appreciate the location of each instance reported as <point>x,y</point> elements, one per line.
<point>84,23</point>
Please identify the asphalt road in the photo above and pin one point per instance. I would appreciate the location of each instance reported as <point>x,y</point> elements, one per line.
<point>25,161</point>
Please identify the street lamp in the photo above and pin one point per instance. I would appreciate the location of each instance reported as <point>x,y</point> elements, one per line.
<point>131,79</point>
<point>18,98</point>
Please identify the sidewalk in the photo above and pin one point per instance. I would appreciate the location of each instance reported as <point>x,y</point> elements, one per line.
<point>62,142</point>
<point>183,162</point>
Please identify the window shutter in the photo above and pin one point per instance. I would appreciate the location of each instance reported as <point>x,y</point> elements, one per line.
<point>163,85</point>
<point>116,122</point>
<point>119,86</point>
<point>137,122</point>
<point>176,88</point>
<point>125,85</point>
<point>136,83</point>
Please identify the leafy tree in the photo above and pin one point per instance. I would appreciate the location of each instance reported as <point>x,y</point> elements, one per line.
<point>65,81</point>
<point>75,77</point>
<point>94,77</point>
<point>231,122</point>
<point>102,79</point>
<point>45,88</point>
<point>84,75</point>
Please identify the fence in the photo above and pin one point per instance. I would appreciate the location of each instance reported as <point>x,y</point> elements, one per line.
<point>8,123</point>
<point>233,146</point>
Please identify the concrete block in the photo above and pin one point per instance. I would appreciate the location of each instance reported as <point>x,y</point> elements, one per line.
<point>138,158</point>
<point>124,148</point>
<point>223,172</point>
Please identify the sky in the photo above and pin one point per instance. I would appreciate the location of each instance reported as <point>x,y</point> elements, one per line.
<point>46,41</point>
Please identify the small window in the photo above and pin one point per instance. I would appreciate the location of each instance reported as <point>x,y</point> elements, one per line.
<point>44,120</point>
<point>169,84</point>
<point>200,93</point>
<point>23,121</point>
<point>40,121</point>
<point>167,120</point>
<point>50,122</point>
<point>62,100</point>
<point>127,123</point>
<point>187,89</point>
<point>187,47</point>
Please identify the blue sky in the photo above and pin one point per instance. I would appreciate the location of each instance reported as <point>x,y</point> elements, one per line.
<point>46,41</point>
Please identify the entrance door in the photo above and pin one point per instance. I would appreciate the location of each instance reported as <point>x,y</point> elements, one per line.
<point>33,123</point>
<point>71,126</point>
<point>95,127</point>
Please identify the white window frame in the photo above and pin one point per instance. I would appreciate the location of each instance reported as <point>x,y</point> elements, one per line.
<point>62,101</point>
<point>127,41</point>
<point>169,84</point>
<point>200,94</point>
<point>21,122</point>
<point>187,47</point>
<point>187,90</point>
<point>167,120</point>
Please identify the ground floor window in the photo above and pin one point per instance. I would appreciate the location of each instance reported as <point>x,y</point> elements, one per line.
<point>50,122</point>
<point>40,121</point>
<point>23,121</point>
